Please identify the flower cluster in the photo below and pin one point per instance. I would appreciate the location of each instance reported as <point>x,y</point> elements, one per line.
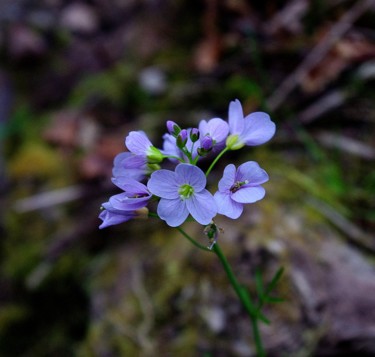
<point>182,192</point>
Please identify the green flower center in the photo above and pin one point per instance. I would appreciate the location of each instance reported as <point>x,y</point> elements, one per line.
<point>185,191</point>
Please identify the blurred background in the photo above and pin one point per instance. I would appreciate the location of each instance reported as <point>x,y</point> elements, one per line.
<point>77,76</point>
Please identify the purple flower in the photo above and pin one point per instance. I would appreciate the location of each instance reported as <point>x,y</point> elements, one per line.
<point>182,192</point>
<point>126,205</point>
<point>138,143</point>
<point>254,129</point>
<point>111,216</point>
<point>135,195</point>
<point>130,165</point>
<point>217,129</point>
<point>238,187</point>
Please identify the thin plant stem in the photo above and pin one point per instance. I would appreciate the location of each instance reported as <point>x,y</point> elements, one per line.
<point>198,245</point>
<point>217,158</point>
<point>244,299</point>
<point>173,157</point>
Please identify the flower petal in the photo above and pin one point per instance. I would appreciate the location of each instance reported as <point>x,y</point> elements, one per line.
<point>138,143</point>
<point>174,212</point>
<point>249,194</point>
<point>258,129</point>
<point>216,128</point>
<point>252,172</point>
<point>228,178</point>
<point>191,175</point>
<point>235,117</point>
<point>162,183</point>
<point>202,207</point>
<point>131,186</point>
<point>111,218</point>
<point>124,203</point>
<point>129,165</point>
<point>226,206</point>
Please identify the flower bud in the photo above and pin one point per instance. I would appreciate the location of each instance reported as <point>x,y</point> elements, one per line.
<point>194,135</point>
<point>173,128</point>
<point>207,143</point>
<point>181,139</point>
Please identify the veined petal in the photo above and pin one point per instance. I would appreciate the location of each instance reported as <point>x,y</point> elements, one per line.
<point>124,203</point>
<point>203,127</point>
<point>138,143</point>
<point>216,128</point>
<point>162,183</point>
<point>258,129</point>
<point>174,212</point>
<point>226,206</point>
<point>129,165</point>
<point>202,207</point>
<point>249,194</point>
<point>191,175</point>
<point>131,186</point>
<point>129,160</point>
<point>228,178</point>
<point>251,171</point>
<point>111,218</point>
<point>235,117</point>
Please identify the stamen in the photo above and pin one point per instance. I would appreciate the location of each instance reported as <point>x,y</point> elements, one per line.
<point>237,185</point>
<point>185,191</point>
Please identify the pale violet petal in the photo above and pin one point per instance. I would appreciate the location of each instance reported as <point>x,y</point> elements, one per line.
<point>258,129</point>
<point>112,218</point>
<point>169,145</point>
<point>203,127</point>
<point>138,143</point>
<point>202,207</point>
<point>174,212</point>
<point>226,206</point>
<point>131,186</point>
<point>251,171</point>
<point>218,129</point>
<point>129,165</point>
<point>191,175</point>
<point>249,194</point>
<point>162,183</point>
<point>228,178</point>
<point>235,117</point>
<point>124,203</point>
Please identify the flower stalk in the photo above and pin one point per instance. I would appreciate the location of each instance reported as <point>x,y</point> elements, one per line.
<point>182,193</point>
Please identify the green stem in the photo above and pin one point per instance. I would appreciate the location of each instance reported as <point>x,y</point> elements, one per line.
<point>242,294</point>
<point>249,307</point>
<point>174,157</point>
<point>200,246</point>
<point>217,158</point>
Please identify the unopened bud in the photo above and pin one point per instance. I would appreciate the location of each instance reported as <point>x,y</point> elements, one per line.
<point>181,139</point>
<point>207,143</point>
<point>194,135</point>
<point>173,128</point>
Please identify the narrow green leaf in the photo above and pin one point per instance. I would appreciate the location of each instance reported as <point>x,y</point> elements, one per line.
<point>274,280</point>
<point>273,300</point>
<point>255,312</point>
